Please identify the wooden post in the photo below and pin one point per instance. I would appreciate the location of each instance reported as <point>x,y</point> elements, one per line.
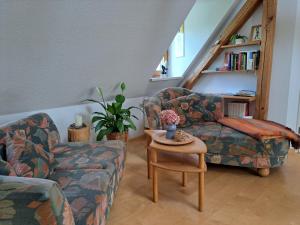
<point>201,180</point>
<point>266,57</point>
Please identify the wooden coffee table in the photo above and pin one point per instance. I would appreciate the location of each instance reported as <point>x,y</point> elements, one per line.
<point>196,147</point>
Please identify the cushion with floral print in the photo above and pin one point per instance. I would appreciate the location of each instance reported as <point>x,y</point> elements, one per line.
<point>190,110</point>
<point>28,159</point>
<point>6,169</point>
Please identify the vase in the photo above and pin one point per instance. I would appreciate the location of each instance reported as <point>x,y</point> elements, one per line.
<point>171,130</point>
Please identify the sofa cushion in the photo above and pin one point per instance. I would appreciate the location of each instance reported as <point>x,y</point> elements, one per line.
<point>2,145</point>
<point>33,201</point>
<point>38,128</point>
<point>224,140</point>
<point>209,132</point>
<point>28,159</point>
<point>72,156</point>
<point>89,192</point>
<point>170,93</point>
<point>230,147</point>
<point>6,169</point>
<point>196,108</point>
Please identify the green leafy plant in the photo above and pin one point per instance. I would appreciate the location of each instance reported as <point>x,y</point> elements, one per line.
<point>237,36</point>
<point>115,117</point>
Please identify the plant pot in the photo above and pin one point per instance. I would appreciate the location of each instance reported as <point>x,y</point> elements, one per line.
<point>239,41</point>
<point>171,130</point>
<point>118,136</point>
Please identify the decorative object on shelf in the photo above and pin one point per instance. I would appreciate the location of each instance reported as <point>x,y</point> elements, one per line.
<point>78,134</point>
<point>78,121</point>
<point>255,33</point>
<point>249,43</point>
<point>238,39</point>
<point>164,70</point>
<point>170,119</point>
<point>116,120</point>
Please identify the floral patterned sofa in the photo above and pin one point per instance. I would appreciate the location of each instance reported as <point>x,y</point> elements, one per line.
<point>43,181</point>
<point>198,116</point>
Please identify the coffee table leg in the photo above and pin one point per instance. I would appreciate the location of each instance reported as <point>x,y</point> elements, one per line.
<point>148,156</point>
<point>149,170</point>
<point>184,179</point>
<point>154,174</point>
<point>201,181</point>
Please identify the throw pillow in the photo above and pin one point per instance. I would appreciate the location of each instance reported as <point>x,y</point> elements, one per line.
<point>6,169</point>
<point>190,110</point>
<point>28,159</point>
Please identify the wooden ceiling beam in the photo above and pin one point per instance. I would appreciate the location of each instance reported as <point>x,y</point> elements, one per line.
<point>265,69</point>
<point>242,16</point>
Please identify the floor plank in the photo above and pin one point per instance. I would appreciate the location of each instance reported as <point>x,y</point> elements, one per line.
<point>234,196</point>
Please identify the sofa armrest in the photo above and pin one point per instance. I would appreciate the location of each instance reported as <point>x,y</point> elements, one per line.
<point>152,108</point>
<point>33,201</point>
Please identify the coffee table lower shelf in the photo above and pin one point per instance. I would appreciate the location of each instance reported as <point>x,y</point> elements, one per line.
<point>177,167</point>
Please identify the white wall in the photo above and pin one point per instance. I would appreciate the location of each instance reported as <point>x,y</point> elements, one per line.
<point>225,83</point>
<point>64,116</point>
<point>293,114</point>
<point>231,82</point>
<point>284,90</point>
<point>198,26</point>
<point>53,53</point>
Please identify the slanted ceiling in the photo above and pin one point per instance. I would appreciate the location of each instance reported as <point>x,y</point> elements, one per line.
<point>53,53</point>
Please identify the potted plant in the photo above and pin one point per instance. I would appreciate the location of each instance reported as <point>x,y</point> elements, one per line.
<point>115,120</point>
<point>238,39</point>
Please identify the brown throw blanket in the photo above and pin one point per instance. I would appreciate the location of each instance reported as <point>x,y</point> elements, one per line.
<point>262,129</point>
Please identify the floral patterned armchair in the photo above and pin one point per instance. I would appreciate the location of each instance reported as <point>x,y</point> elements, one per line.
<point>199,114</point>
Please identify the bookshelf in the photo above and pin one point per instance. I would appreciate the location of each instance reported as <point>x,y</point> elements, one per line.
<point>227,71</point>
<point>263,72</point>
<point>250,43</point>
<point>237,97</point>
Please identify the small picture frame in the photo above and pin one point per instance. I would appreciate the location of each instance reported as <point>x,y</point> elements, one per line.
<point>256,33</point>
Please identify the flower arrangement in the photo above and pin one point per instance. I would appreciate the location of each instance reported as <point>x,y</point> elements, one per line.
<point>169,117</point>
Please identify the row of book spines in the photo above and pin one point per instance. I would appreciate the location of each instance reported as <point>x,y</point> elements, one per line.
<point>238,109</point>
<point>241,61</point>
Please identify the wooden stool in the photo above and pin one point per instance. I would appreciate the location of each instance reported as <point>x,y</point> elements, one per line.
<point>196,147</point>
<point>79,134</point>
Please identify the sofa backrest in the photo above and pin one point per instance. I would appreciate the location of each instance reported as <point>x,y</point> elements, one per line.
<point>190,106</point>
<point>38,128</point>
<point>153,105</point>
<point>170,93</point>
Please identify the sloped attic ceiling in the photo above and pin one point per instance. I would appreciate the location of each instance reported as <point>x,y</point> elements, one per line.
<point>53,53</point>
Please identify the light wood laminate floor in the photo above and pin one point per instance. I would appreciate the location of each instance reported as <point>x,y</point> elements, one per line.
<point>234,196</point>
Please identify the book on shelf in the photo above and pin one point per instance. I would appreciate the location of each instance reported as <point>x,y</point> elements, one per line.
<point>246,93</point>
<point>238,109</point>
<point>244,60</point>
